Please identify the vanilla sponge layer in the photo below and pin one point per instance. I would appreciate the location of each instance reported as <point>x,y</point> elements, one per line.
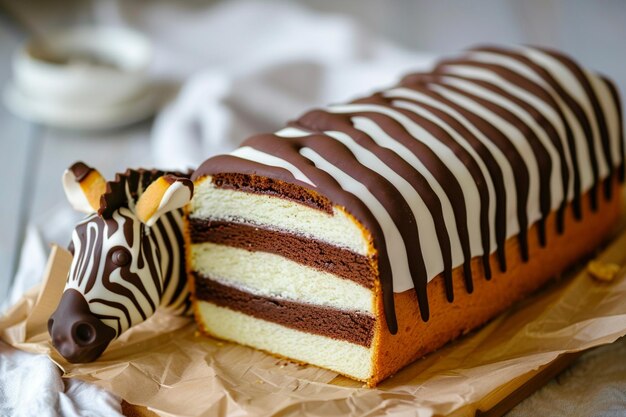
<point>337,355</point>
<point>210,202</point>
<point>270,275</point>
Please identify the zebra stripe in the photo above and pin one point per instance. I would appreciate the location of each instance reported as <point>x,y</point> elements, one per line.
<point>123,295</point>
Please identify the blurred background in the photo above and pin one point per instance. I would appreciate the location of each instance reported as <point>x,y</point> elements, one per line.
<point>214,72</point>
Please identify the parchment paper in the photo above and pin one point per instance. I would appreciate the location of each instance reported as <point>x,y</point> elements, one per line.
<point>165,365</point>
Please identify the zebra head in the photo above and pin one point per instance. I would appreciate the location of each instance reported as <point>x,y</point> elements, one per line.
<point>128,257</point>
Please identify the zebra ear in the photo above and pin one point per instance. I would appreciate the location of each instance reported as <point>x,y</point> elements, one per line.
<point>165,194</point>
<point>83,187</point>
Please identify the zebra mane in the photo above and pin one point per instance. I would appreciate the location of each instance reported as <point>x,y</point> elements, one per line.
<point>133,180</point>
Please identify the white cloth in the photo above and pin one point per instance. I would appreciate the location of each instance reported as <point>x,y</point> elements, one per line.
<point>257,79</point>
<point>31,385</point>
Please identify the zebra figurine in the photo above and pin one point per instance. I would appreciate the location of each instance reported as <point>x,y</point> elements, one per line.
<point>128,257</point>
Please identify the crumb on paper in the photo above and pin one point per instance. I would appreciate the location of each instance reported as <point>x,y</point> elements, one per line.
<point>603,271</point>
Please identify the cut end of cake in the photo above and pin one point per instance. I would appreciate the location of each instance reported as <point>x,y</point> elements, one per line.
<point>295,276</point>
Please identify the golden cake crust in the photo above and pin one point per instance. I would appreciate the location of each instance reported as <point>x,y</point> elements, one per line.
<point>416,338</point>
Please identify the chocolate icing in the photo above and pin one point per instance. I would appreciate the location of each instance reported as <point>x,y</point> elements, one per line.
<point>573,105</point>
<point>136,181</point>
<point>354,327</point>
<point>310,252</point>
<point>319,126</point>
<point>80,170</point>
<point>543,159</point>
<point>78,335</point>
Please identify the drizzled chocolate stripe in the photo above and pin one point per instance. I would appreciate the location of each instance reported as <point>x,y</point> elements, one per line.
<point>620,136</point>
<point>569,148</point>
<point>454,188</point>
<point>544,162</point>
<point>495,172</point>
<point>597,111</point>
<point>572,104</point>
<point>542,121</point>
<point>552,158</point>
<point>496,136</point>
<point>319,121</point>
<point>432,161</point>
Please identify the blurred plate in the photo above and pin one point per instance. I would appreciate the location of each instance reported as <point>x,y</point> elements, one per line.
<point>82,117</point>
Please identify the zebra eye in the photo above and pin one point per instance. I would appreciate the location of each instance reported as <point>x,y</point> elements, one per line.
<point>121,257</point>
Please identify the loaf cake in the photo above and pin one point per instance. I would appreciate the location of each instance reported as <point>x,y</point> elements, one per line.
<point>363,236</point>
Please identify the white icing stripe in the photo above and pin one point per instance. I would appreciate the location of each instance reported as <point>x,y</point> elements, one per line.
<point>609,109</point>
<point>396,249</point>
<point>251,154</point>
<point>556,184</point>
<point>546,110</point>
<point>583,157</point>
<point>291,132</point>
<point>503,163</point>
<point>510,64</point>
<point>515,137</point>
<point>423,218</point>
<point>576,90</point>
<point>458,169</point>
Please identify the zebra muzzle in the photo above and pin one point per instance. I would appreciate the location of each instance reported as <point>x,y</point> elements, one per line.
<point>77,334</point>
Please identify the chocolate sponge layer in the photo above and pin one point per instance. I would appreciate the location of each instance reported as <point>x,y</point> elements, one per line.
<point>354,327</point>
<point>309,252</point>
